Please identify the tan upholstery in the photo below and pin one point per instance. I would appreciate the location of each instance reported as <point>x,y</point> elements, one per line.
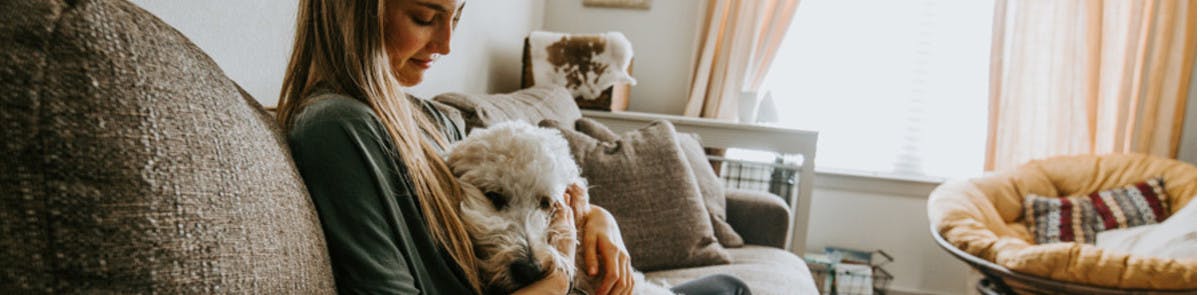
<point>983,217</point>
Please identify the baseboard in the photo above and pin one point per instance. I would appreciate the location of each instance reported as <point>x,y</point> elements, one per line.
<point>902,291</point>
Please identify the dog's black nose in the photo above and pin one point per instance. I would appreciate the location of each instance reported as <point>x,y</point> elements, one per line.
<point>526,271</point>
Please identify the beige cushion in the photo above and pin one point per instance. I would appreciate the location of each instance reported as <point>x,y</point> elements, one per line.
<point>644,180</point>
<point>134,165</point>
<point>768,271</point>
<point>531,105</point>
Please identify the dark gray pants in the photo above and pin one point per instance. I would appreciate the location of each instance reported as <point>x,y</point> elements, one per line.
<point>719,284</point>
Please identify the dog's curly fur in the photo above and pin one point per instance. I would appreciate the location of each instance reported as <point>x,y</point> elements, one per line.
<point>515,176</point>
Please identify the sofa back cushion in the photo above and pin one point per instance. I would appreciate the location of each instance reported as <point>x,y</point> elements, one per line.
<point>531,105</point>
<point>134,165</point>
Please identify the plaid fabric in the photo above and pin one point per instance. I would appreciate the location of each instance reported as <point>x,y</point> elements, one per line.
<point>1079,218</point>
<point>759,176</point>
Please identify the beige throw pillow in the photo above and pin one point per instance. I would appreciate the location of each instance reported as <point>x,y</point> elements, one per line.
<point>647,184</point>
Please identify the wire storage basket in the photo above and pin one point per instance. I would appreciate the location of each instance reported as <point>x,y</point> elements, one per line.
<point>779,176</point>
<point>837,274</point>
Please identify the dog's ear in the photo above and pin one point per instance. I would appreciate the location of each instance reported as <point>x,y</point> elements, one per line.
<point>469,190</point>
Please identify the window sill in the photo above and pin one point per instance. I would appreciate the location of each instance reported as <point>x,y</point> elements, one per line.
<point>877,183</point>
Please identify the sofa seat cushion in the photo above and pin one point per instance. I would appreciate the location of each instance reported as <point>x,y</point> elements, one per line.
<point>766,270</point>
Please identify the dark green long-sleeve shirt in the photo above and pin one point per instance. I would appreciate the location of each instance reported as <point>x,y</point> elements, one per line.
<point>374,228</point>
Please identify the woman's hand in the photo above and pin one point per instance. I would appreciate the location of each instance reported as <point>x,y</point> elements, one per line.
<point>556,282</point>
<point>577,199</point>
<point>603,246</point>
<point>563,218</point>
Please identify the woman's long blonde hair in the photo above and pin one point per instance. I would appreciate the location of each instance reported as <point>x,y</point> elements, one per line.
<point>341,44</point>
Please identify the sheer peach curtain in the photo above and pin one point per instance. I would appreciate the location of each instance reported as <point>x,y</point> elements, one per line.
<point>1088,76</point>
<point>737,46</point>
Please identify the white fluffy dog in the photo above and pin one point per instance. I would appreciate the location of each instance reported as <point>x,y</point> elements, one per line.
<point>515,176</point>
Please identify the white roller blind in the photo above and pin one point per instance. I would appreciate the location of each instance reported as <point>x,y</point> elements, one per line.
<point>896,87</point>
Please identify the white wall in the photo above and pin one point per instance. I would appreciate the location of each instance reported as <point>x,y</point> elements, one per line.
<point>251,41</point>
<point>663,40</point>
<point>846,216</point>
<point>485,54</point>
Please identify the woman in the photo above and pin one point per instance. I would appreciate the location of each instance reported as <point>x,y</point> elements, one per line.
<point>369,155</point>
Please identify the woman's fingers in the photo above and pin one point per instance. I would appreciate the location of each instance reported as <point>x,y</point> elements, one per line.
<point>565,219</point>
<point>613,268</point>
<point>625,275</point>
<point>579,200</point>
<point>624,287</point>
<point>580,209</point>
<point>589,253</point>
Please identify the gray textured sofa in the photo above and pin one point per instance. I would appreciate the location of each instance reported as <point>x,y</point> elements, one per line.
<point>134,165</point>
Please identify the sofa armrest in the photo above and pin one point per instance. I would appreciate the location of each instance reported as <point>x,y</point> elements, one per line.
<point>761,218</point>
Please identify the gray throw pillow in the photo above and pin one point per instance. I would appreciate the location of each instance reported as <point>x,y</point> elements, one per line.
<point>710,185</point>
<point>711,188</point>
<point>134,165</point>
<point>595,130</point>
<point>530,105</point>
<point>644,180</point>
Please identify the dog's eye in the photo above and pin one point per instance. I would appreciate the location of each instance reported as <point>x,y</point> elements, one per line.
<point>497,199</point>
<point>545,204</point>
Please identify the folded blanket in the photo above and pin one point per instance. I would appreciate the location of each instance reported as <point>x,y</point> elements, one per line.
<point>586,64</point>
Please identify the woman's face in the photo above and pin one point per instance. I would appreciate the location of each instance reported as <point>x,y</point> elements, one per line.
<point>416,32</point>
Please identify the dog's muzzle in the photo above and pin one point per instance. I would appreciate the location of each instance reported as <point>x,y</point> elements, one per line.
<point>526,271</point>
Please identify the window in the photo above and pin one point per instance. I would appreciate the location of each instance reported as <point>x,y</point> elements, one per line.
<point>895,87</point>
